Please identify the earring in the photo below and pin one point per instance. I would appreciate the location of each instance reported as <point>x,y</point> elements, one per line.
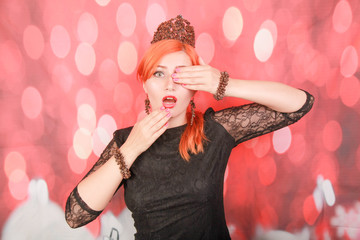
<point>192,105</point>
<point>147,105</point>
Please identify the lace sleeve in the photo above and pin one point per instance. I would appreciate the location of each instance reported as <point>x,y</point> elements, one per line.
<point>77,212</point>
<point>252,120</point>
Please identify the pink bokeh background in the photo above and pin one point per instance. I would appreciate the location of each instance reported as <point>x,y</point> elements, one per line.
<point>67,81</point>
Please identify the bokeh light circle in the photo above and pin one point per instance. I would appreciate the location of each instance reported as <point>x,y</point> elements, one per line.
<point>18,184</point>
<point>60,41</point>
<point>328,192</point>
<point>86,117</point>
<point>310,211</point>
<point>297,149</point>
<point>155,15</point>
<point>127,57</point>
<point>349,91</point>
<point>108,123</point>
<point>108,74</point>
<point>31,102</point>
<point>87,28</point>
<point>62,76</point>
<point>267,171</point>
<point>261,146</point>
<point>282,140</point>
<point>342,16</point>
<point>100,138</point>
<point>76,164</point>
<point>85,96</point>
<point>232,23</point>
<point>252,5</point>
<point>349,61</point>
<point>103,3</point>
<point>126,19</point>
<point>13,161</point>
<point>263,45</point>
<point>82,143</point>
<point>332,135</point>
<point>205,47</point>
<point>33,42</point>
<point>123,97</point>
<point>271,26</point>
<point>318,198</point>
<point>85,58</point>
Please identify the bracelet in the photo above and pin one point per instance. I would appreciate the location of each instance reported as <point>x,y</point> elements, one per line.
<point>119,159</point>
<point>220,92</point>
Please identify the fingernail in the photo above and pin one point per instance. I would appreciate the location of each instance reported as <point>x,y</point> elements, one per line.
<point>177,69</point>
<point>166,124</point>
<point>176,79</point>
<point>162,108</point>
<point>184,85</point>
<point>168,115</point>
<point>173,75</point>
<point>167,110</point>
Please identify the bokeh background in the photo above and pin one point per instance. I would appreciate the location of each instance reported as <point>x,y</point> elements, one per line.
<point>67,81</point>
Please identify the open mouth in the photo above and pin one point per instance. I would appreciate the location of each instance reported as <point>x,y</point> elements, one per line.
<point>169,101</point>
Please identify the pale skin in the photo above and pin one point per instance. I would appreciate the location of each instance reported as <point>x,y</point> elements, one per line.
<point>180,79</point>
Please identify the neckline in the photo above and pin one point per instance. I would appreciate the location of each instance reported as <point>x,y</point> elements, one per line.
<point>174,129</point>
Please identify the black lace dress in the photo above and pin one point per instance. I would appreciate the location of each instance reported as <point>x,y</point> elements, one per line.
<point>173,199</point>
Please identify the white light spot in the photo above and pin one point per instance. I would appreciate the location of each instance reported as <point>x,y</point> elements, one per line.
<point>263,45</point>
<point>328,192</point>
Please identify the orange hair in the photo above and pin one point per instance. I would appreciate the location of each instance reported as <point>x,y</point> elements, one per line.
<point>193,136</point>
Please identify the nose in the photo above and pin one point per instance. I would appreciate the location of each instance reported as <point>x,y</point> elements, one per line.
<point>169,84</point>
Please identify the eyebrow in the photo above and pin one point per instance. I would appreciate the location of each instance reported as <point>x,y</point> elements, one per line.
<point>160,66</point>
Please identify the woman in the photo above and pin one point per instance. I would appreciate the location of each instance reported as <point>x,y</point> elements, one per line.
<point>177,156</point>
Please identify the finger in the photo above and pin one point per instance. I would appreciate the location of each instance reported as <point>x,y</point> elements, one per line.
<point>159,128</point>
<point>193,68</point>
<point>159,120</point>
<point>194,87</point>
<point>158,133</point>
<point>181,75</point>
<point>154,116</point>
<point>191,81</point>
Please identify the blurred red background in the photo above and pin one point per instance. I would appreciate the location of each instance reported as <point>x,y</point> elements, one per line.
<point>67,81</point>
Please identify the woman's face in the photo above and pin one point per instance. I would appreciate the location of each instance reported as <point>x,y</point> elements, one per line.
<point>163,91</point>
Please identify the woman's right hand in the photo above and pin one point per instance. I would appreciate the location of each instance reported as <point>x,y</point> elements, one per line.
<point>144,134</point>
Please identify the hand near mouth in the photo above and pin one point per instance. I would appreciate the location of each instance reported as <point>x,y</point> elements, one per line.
<point>146,131</point>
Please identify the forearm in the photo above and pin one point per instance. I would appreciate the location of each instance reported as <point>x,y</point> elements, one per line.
<point>97,189</point>
<point>275,95</point>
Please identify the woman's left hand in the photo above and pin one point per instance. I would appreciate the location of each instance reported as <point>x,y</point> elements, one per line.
<point>199,77</point>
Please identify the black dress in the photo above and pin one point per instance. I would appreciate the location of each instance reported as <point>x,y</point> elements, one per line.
<point>173,199</point>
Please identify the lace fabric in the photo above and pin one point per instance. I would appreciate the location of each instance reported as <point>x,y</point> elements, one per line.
<point>252,120</point>
<point>242,123</point>
<point>77,212</point>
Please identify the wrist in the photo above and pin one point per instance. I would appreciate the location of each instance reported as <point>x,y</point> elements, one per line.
<point>221,89</point>
<point>129,154</point>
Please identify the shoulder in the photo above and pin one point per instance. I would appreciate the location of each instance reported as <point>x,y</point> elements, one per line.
<point>214,129</point>
<point>120,135</point>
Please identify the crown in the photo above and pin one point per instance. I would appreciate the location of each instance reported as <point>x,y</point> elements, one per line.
<point>176,28</point>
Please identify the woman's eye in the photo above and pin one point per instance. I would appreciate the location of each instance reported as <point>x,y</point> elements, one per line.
<point>158,74</point>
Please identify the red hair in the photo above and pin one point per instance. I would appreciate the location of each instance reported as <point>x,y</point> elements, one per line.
<point>193,136</point>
